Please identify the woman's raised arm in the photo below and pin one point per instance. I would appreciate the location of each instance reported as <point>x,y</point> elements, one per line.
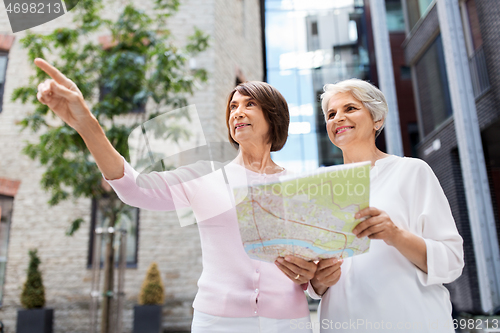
<point>63,97</point>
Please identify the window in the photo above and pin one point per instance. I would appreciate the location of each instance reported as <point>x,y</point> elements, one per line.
<point>414,138</point>
<point>474,44</point>
<point>353,31</point>
<point>432,85</point>
<point>405,73</point>
<point>416,10</point>
<point>3,70</point>
<point>314,28</point>
<point>129,221</point>
<point>395,18</point>
<point>6,204</point>
<point>472,30</point>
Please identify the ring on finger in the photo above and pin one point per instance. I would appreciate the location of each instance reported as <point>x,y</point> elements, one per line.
<point>297,277</point>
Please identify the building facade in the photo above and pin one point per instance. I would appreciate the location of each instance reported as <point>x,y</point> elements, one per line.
<point>338,44</point>
<point>428,50</point>
<point>235,54</point>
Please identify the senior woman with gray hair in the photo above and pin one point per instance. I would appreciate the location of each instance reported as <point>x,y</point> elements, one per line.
<point>415,247</point>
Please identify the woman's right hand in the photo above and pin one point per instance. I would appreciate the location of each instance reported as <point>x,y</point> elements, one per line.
<point>63,97</point>
<point>327,274</point>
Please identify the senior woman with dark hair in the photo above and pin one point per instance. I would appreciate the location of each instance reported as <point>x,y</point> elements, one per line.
<point>415,245</point>
<point>236,293</point>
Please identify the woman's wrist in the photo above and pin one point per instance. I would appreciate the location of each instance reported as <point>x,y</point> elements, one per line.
<point>413,248</point>
<point>403,240</point>
<point>318,287</point>
<point>88,127</point>
<point>105,155</point>
<point>398,239</point>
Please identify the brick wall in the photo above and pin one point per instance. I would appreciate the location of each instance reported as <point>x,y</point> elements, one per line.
<point>444,162</point>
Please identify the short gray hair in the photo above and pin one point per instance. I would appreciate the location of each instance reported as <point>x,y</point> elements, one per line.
<point>371,97</point>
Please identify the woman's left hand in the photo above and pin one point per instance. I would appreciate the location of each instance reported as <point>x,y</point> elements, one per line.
<point>298,270</point>
<point>378,225</point>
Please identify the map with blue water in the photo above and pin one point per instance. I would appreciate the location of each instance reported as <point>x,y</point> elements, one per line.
<point>310,216</point>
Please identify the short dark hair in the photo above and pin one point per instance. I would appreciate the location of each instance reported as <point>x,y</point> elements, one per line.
<point>274,107</point>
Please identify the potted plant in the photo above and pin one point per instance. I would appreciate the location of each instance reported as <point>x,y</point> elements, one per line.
<point>35,319</point>
<point>147,315</point>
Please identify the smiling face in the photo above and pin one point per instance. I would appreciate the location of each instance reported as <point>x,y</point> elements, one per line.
<point>348,121</point>
<point>247,123</point>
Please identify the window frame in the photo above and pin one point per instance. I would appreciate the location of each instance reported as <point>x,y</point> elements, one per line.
<point>2,86</point>
<point>2,196</point>
<point>400,2</point>
<point>93,221</point>
<point>467,28</point>
<point>424,133</point>
<point>406,8</point>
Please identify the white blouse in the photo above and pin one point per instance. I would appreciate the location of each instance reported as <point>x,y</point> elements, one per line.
<point>382,290</point>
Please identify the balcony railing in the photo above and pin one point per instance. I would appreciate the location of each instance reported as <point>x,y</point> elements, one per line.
<point>479,73</point>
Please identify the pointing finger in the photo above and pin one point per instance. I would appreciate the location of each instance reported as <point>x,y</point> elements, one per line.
<point>53,72</point>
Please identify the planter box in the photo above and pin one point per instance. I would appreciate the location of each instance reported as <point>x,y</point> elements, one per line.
<point>34,321</point>
<point>147,318</point>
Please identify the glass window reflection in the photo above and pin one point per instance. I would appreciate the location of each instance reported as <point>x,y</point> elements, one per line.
<point>308,44</point>
<point>417,9</point>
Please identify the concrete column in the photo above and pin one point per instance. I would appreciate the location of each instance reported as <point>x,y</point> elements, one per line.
<point>386,76</point>
<point>470,147</point>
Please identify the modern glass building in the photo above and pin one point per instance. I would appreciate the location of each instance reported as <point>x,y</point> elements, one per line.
<point>308,44</point>
<point>290,70</point>
<point>339,37</point>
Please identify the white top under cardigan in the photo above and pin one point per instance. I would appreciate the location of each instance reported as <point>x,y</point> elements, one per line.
<point>382,290</point>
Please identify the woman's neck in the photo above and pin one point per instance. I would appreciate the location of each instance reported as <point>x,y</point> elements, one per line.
<point>257,159</point>
<point>363,153</point>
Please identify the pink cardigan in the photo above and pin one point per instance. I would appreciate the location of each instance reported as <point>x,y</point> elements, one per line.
<point>231,284</point>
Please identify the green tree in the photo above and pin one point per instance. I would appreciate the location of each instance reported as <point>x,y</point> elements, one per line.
<point>140,64</point>
<point>33,295</point>
<point>152,290</point>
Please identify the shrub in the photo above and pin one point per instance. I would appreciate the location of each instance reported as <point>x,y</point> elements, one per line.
<point>152,291</point>
<point>33,295</point>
